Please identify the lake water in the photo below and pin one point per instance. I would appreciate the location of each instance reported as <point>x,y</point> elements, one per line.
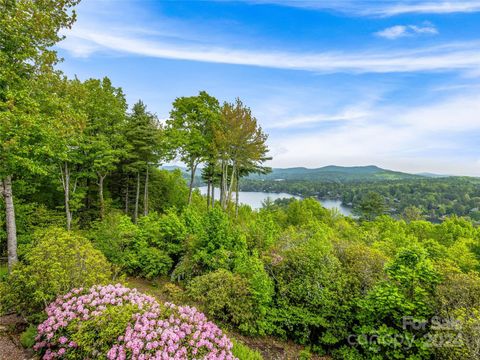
<point>256,198</point>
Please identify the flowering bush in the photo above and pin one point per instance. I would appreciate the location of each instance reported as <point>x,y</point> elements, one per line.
<point>121,323</point>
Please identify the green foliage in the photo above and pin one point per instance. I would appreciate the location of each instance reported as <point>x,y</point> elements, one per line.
<point>58,261</point>
<point>100,333</point>
<point>27,338</point>
<point>387,309</point>
<point>250,294</point>
<point>3,272</point>
<point>436,199</point>
<point>166,232</point>
<point>461,253</point>
<point>363,266</point>
<point>262,232</point>
<point>114,236</point>
<point>261,288</point>
<point>136,249</point>
<point>215,246</point>
<point>243,352</point>
<point>302,212</point>
<point>305,355</point>
<point>226,297</point>
<point>167,190</point>
<point>78,156</point>
<point>310,288</point>
<point>371,206</point>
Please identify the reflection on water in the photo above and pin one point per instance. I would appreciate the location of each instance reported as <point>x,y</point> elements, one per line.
<point>255,199</point>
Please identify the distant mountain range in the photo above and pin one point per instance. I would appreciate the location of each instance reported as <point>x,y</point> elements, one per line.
<point>336,173</point>
<point>332,173</point>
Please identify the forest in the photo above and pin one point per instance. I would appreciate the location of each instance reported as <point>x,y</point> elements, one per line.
<point>431,199</point>
<point>105,255</point>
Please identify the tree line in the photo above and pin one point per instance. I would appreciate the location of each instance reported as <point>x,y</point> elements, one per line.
<point>430,199</point>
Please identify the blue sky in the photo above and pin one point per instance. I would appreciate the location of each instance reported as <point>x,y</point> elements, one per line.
<point>346,82</point>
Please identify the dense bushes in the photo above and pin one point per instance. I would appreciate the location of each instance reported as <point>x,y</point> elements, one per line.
<point>300,272</point>
<point>57,261</point>
<point>224,296</point>
<point>115,322</point>
<point>310,293</point>
<point>390,307</point>
<point>147,249</point>
<point>297,271</point>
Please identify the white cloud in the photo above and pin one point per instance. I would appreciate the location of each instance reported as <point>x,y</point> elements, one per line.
<point>393,138</point>
<point>380,8</point>
<point>398,31</point>
<point>452,56</point>
<point>427,7</point>
<point>393,32</point>
<point>351,113</point>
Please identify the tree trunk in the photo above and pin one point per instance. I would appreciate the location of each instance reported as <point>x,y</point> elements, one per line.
<point>127,195</point>
<point>137,196</point>
<point>209,183</point>
<point>224,186</point>
<point>213,194</point>
<point>88,200</point>
<point>227,187</point>
<point>10,221</point>
<point>193,168</point>
<point>145,195</point>
<point>222,179</point>
<point>66,191</point>
<point>100,194</point>
<point>236,195</point>
<point>232,178</point>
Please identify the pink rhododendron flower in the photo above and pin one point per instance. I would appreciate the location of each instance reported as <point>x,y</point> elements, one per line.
<point>155,331</point>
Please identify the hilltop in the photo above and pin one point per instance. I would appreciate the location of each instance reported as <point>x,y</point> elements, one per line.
<point>333,173</point>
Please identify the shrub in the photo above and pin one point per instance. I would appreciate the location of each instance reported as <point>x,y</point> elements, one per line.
<point>226,297</point>
<point>58,261</point>
<point>166,232</point>
<point>311,299</point>
<point>409,292</point>
<point>305,355</point>
<point>115,322</point>
<point>133,248</point>
<point>243,352</point>
<point>148,262</point>
<point>114,235</point>
<point>216,244</point>
<point>27,338</point>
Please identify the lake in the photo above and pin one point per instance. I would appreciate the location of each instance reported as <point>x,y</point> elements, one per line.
<point>256,198</point>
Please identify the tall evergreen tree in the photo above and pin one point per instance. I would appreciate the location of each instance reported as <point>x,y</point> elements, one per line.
<point>146,147</point>
<point>104,142</point>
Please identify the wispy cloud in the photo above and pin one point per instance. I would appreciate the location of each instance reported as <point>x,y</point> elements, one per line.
<point>380,8</point>
<point>392,137</point>
<point>398,31</point>
<point>447,57</point>
<point>428,7</point>
<point>351,113</point>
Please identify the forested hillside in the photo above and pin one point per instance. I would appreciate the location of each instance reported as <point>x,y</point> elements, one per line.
<point>335,174</point>
<point>432,199</point>
<point>86,212</point>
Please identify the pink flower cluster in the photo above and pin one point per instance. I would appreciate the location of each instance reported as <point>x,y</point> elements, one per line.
<point>155,332</point>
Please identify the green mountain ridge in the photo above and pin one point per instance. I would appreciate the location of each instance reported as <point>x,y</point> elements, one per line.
<point>330,173</point>
<point>335,173</point>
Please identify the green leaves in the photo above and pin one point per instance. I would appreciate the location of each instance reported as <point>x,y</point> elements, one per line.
<point>58,261</point>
